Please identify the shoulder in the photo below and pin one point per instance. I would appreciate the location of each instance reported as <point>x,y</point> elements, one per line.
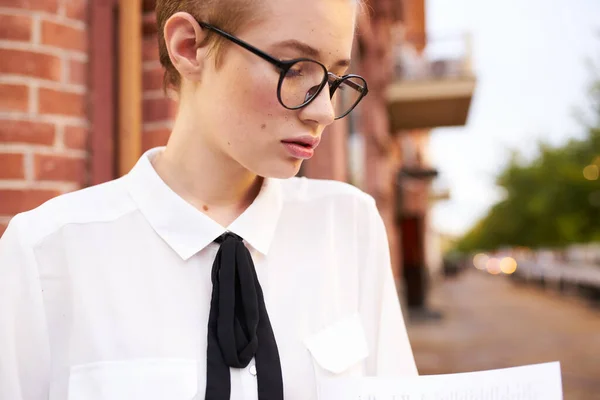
<point>319,190</point>
<point>338,202</point>
<point>103,202</point>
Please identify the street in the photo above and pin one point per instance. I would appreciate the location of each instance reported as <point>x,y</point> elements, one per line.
<point>490,322</point>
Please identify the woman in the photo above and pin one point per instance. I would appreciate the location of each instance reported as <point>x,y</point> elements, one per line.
<point>209,271</point>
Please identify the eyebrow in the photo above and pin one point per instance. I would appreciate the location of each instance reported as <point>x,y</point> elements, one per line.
<point>308,51</point>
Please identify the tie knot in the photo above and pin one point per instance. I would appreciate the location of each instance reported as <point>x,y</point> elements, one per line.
<point>228,235</point>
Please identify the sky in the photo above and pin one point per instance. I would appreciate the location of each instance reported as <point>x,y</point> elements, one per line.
<point>530,60</point>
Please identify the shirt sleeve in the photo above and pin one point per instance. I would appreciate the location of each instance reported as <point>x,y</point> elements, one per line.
<point>24,348</point>
<point>390,353</point>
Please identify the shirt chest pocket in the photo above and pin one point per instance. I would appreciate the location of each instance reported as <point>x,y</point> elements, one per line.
<point>158,379</point>
<point>340,349</point>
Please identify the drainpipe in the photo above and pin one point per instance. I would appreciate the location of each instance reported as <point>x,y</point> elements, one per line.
<point>129,143</point>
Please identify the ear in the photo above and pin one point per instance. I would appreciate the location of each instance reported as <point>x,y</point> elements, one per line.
<point>184,38</point>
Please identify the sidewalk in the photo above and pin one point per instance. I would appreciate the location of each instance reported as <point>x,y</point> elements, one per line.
<point>489,322</point>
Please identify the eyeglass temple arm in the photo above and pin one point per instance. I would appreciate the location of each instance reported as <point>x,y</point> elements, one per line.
<point>243,44</point>
<point>270,59</point>
<point>353,85</point>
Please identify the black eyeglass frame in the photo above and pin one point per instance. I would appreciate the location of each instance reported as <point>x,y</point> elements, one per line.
<point>285,66</point>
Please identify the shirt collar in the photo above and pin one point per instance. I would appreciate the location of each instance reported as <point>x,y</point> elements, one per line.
<point>187,230</point>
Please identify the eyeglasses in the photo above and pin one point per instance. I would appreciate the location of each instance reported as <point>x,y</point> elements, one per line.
<point>302,79</point>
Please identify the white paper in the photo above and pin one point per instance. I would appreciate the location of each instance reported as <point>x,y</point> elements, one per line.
<point>532,382</point>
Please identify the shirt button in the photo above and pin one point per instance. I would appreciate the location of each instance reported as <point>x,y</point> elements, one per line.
<point>253,370</point>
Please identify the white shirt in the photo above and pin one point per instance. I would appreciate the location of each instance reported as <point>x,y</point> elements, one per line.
<point>105,292</point>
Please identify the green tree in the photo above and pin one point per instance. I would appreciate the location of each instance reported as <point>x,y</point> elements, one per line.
<point>550,201</point>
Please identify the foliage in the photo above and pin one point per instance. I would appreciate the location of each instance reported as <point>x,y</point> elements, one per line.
<point>549,202</point>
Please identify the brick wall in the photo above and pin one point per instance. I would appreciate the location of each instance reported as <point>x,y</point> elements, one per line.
<point>43,101</point>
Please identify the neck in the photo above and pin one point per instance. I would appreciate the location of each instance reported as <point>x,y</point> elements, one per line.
<point>211,181</point>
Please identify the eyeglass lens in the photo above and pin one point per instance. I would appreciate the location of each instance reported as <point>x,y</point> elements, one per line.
<point>303,80</point>
<point>347,95</point>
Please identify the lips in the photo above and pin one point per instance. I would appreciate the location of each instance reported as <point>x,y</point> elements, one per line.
<point>302,147</point>
<point>307,141</point>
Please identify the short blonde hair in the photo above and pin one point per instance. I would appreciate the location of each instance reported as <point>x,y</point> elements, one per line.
<point>228,15</point>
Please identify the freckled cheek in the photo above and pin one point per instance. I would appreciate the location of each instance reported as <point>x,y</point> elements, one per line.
<point>261,110</point>
<point>262,95</point>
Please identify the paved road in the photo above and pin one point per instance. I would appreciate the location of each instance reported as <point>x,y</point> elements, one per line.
<point>490,323</point>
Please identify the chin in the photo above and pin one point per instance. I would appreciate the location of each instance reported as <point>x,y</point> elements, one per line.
<point>281,170</point>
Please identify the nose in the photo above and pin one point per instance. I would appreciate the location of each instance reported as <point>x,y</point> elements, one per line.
<point>320,111</point>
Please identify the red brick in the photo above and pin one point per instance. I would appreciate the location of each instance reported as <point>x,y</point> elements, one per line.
<point>3,227</point>
<point>155,138</point>
<point>41,5</point>
<point>51,167</point>
<point>63,36</point>
<point>76,137</point>
<point>12,166</point>
<point>15,201</point>
<point>26,132</point>
<point>63,103</point>
<point>149,26</point>
<point>159,109</point>
<point>148,5</point>
<point>150,48</point>
<point>77,9</point>
<point>15,27</point>
<point>28,63</point>
<point>78,72</point>
<point>153,79</point>
<point>14,97</point>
